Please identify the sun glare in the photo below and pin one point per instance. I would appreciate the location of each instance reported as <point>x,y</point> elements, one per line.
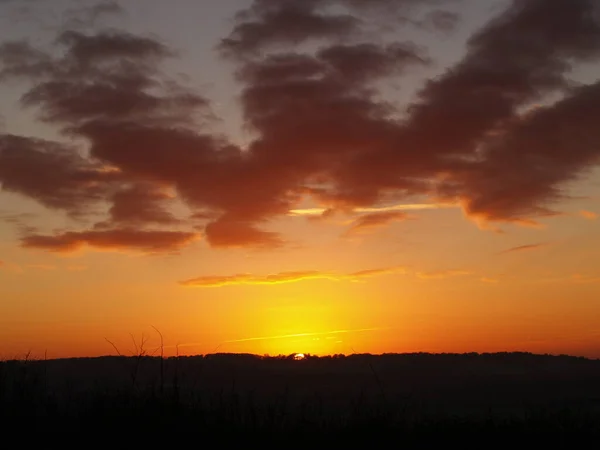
<point>299,356</point>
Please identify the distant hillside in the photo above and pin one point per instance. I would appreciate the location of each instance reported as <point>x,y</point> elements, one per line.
<point>426,398</point>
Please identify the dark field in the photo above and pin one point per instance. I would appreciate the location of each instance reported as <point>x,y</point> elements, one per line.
<point>408,399</point>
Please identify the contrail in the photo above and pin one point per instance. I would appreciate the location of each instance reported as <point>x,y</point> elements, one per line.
<point>283,336</point>
<point>288,336</point>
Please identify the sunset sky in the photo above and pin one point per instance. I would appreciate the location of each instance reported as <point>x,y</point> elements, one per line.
<point>317,176</point>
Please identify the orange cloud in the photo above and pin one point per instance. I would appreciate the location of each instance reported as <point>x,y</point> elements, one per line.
<point>580,278</point>
<point>286,277</point>
<point>489,280</point>
<point>355,276</point>
<point>112,240</point>
<point>442,274</point>
<point>588,215</point>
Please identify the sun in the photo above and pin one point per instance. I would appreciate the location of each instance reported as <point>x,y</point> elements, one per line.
<point>299,356</point>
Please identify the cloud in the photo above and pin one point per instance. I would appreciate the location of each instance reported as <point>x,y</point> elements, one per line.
<point>51,173</point>
<point>580,278</point>
<point>490,280</point>
<point>285,23</point>
<point>355,276</point>
<point>310,75</point>
<point>226,233</point>
<point>440,274</point>
<point>44,267</point>
<point>269,23</point>
<point>139,204</point>
<point>21,221</point>
<point>370,222</point>
<point>588,215</point>
<point>441,20</point>
<point>86,17</point>
<point>518,164</point>
<point>111,240</point>
<point>285,277</point>
<point>524,248</point>
<point>381,209</point>
<point>279,278</point>
<point>298,335</point>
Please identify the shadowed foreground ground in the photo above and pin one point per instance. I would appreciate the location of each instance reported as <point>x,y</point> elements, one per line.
<point>410,399</point>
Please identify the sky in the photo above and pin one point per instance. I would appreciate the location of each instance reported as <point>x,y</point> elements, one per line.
<point>314,176</point>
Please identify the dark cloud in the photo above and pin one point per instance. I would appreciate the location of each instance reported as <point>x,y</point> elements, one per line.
<point>311,77</point>
<point>107,89</point>
<point>459,117</point>
<point>269,23</point>
<point>113,240</point>
<point>441,20</point>
<point>21,59</point>
<point>524,169</point>
<point>227,233</point>
<point>53,174</point>
<point>88,16</point>
<point>140,204</point>
<point>281,23</point>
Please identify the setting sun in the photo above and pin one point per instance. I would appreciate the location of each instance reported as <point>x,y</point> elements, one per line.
<point>247,186</point>
<point>402,194</point>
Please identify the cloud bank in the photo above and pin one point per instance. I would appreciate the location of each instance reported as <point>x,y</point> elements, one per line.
<point>310,74</point>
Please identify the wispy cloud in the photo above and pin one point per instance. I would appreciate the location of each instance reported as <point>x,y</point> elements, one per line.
<point>489,280</point>
<point>378,272</point>
<point>580,278</point>
<point>368,223</point>
<point>11,267</point>
<point>524,248</point>
<point>22,268</point>
<point>286,277</point>
<point>442,274</point>
<point>45,267</point>
<point>298,276</point>
<point>590,215</point>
